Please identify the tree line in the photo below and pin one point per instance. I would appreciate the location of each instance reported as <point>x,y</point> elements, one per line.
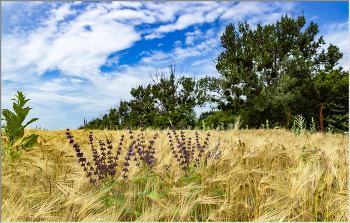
<point>278,69</point>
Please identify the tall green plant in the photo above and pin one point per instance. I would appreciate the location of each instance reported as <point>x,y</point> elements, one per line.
<point>15,131</point>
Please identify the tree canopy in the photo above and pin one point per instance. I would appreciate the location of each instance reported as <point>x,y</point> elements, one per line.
<point>275,67</point>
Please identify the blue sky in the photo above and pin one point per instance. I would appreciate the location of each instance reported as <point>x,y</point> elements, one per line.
<point>76,60</point>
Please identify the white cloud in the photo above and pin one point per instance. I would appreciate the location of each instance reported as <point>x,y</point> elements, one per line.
<point>179,54</point>
<point>157,56</point>
<point>255,11</point>
<point>60,13</point>
<point>154,36</point>
<point>54,85</point>
<point>177,43</point>
<point>144,53</point>
<point>239,11</point>
<point>160,44</point>
<point>209,33</point>
<point>183,22</point>
<point>112,61</point>
<point>313,18</point>
<point>165,11</point>
<point>76,81</point>
<point>201,46</point>
<point>331,27</point>
<point>70,46</point>
<point>183,53</point>
<point>135,5</point>
<point>128,15</point>
<point>191,36</point>
<point>189,40</point>
<point>197,62</point>
<point>193,14</point>
<point>213,15</point>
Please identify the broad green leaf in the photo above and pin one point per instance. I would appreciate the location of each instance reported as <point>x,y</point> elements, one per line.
<point>151,176</point>
<point>153,194</point>
<point>157,183</point>
<point>138,179</point>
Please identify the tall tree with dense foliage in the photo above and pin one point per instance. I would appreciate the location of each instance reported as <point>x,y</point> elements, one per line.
<point>162,101</point>
<point>275,66</point>
<point>156,104</point>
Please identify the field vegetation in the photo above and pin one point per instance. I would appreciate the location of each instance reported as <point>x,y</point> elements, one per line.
<point>242,175</point>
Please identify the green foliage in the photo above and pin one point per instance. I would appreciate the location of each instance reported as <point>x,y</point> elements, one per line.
<point>225,117</point>
<point>156,104</point>
<point>14,129</point>
<point>203,125</point>
<point>274,67</point>
<point>203,116</point>
<point>334,88</point>
<point>189,180</point>
<point>116,197</point>
<point>182,113</point>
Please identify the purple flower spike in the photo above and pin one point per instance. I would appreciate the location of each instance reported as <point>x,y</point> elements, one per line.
<point>291,163</point>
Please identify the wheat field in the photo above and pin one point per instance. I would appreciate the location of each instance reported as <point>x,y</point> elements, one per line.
<point>261,175</point>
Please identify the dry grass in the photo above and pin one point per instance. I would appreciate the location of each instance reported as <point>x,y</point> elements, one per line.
<point>256,178</point>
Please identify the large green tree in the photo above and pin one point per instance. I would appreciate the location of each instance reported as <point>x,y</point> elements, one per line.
<point>158,103</point>
<point>275,66</point>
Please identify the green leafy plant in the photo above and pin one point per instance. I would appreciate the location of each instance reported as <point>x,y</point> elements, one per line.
<point>146,191</point>
<point>300,128</point>
<point>15,131</point>
<point>203,125</point>
<point>117,197</point>
<point>313,128</point>
<point>277,124</point>
<point>267,124</point>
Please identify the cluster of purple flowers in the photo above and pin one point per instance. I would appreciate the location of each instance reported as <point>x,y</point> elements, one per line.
<point>185,155</point>
<point>105,162</point>
<point>146,155</point>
